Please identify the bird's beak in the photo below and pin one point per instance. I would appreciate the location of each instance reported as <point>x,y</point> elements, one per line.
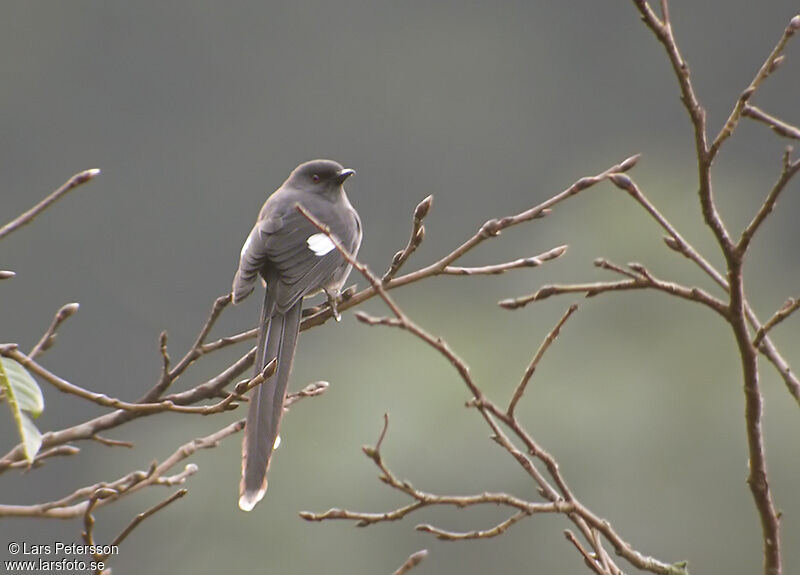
<point>342,175</point>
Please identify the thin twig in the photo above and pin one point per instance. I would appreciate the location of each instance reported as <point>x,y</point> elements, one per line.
<point>675,241</point>
<point>596,288</point>
<point>43,455</point>
<point>87,429</point>
<point>414,240</point>
<point>548,340</point>
<point>626,183</point>
<point>381,437</point>
<point>362,518</point>
<point>499,529</point>
<point>67,507</point>
<point>789,170</point>
<point>588,559</point>
<point>228,341</point>
<point>76,503</point>
<point>778,126</point>
<point>145,514</point>
<point>662,29</point>
<point>413,560</point>
<point>165,360</point>
<point>604,264</point>
<point>106,401</point>
<point>88,519</point>
<point>791,306</point>
<point>426,499</point>
<point>196,351</point>
<point>27,217</point>
<point>112,442</point>
<point>766,69</point>
<point>495,269</point>
<point>49,336</point>
<point>313,389</point>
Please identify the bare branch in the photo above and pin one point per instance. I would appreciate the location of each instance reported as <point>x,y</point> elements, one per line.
<point>76,504</point>
<point>145,514</point>
<point>787,173</point>
<point>737,314</point>
<point>165,359</point>
<point>498,529</point>
<point>495,269</point>
<point>413,560</point>
<point>381,437</point>
<point>604,264</point>
<point>112,442</point>
<point>757,478</point>
<point>663,32</point>
<point>417,235</point>
<point>27,217</point>
<point>588,559</point>
<point>311,390</point>
<point>228,341</point>
<point>106,401</point>
<point>88,518</point>
<point>49,337</point>
<point>769,65</point>
<point>778,126</point>
<point>548,340</point>
<point>567,504</point>
<point>662,28</point>
<point>61,450</point>
<point>643,281</point>
<point>486,409</point>
<point>489,229</point>
<point>87,429</point>
<point>363,519</point>
<point>215,385</point>
<point>170,375</point>
<point>676,242</point>
<point>426,499</point>
<point>791,306</point>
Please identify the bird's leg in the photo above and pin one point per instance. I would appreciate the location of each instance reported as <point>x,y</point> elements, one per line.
<point>334,297</point>
<point>348,293</point>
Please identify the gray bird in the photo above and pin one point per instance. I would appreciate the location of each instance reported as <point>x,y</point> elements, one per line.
<point>295,260</point>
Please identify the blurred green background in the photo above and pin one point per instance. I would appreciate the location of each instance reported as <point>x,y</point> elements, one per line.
<point>195,111</point>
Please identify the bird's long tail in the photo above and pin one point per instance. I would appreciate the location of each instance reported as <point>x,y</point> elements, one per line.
<point>277,337</point>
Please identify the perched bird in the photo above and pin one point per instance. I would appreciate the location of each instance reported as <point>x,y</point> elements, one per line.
<point>294,259</point>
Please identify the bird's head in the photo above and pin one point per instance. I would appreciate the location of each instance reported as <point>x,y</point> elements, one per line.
<point>319,176</point>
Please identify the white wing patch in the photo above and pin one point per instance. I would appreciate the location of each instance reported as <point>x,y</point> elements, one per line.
<point>320,244</point>
<point>247,243</point>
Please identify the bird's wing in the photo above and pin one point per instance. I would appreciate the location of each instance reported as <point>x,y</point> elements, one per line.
<point>291,253</point>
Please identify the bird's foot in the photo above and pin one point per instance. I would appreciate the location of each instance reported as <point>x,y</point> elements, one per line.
<point>334,297</point>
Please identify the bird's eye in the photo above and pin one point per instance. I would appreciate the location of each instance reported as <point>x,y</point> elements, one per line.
<point>315,178</point>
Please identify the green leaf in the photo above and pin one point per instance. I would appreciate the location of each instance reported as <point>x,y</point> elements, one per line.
<point>23,395</point>
<point>31,436</point>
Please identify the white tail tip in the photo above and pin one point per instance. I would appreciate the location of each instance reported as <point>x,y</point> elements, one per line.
<point>247,501</point>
